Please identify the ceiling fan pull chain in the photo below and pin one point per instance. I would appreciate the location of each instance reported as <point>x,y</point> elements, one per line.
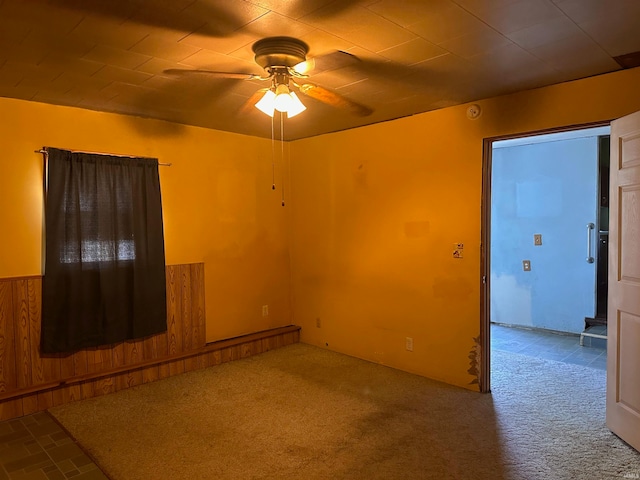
<point>273,156</point>
<point>282,148</point>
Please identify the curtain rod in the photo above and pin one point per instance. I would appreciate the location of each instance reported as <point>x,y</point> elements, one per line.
<point>43,150</point>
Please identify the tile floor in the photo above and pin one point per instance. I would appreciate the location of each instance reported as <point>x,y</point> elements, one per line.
<point>551,346</point>
<point>34,447</point>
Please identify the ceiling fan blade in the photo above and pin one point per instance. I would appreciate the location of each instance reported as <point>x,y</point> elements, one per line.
<point>177,16</point>
<point>214,74</point>
<point>249,105</point>
<point>334,99</point>
<point>326,62</point>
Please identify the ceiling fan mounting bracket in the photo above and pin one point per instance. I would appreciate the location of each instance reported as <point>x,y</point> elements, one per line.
<point>280,52</point>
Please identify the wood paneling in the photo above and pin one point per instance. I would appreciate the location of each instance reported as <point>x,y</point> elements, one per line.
<point>30,382</point>
<point>8,379</point>
<point>22,337</point>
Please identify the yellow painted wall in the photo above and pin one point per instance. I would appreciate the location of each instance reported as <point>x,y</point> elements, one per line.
<point>369,226</point>
<point>218,204</point>
<point>376,212</point>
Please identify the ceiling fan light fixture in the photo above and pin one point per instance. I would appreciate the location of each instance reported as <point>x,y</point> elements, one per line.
<point>267,103</point>
<point>296,106</point>
<point>305,67</point>
<point>282,102</point>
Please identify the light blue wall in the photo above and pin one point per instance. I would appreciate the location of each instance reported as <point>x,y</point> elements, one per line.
<point>548,188</point>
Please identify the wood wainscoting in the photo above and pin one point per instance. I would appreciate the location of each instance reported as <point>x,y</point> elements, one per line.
<point>30,382</point>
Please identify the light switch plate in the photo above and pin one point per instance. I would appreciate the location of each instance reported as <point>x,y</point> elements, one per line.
<point>537,239</point>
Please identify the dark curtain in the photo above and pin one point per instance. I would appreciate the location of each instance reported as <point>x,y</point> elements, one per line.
<point>104,279</point>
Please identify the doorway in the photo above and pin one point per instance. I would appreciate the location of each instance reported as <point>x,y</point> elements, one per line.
<point>543,235</point>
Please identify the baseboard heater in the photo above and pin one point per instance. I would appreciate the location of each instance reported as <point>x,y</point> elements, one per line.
<point>211,354</point>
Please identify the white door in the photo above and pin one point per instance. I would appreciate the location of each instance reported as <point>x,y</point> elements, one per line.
<point>623,344</point>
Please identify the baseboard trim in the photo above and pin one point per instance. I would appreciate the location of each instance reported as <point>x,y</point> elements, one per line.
<point>211,354</point>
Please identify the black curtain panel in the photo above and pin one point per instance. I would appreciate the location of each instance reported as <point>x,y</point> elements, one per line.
<point>104,279</point>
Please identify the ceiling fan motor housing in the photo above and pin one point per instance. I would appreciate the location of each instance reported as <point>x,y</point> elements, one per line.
<point>280,52</point>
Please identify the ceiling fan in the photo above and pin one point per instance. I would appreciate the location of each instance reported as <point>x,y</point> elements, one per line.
<point>284,60</point>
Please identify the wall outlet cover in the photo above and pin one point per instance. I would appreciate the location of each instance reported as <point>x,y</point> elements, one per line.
<point>409,344</point>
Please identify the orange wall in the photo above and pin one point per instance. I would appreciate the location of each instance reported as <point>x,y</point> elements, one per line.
<point>369,226</point>
<point>376,212</point>
<point>217,202</point>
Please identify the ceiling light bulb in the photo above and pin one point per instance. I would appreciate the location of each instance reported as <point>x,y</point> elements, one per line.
<point>283,101</point>
<point>304,67</point>
<point>266,103</point>
<point>296,106</point>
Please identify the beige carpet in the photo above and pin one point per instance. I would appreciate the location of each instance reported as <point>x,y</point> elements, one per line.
<point>302,412</point>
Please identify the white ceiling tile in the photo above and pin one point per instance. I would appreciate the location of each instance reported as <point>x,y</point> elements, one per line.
<point>519,15</point>
<point>321,42</point>
<point>155,45</point>
<point>156,66</point>
<point>413,51</point>
<point>407,12</point>
<point>483,40</point>
<point>110,32</point>
<point>577,54</point>
<point>291,9</point>
<point>273,24</point>
<point>224,18</point>
<point>359,26</point>
<point>583,10</point>
<point>379,34</point>
<point>21,92</point>
<point>117,57</point>
<point>615,36</point>
<point>25,71</point>
<point>10,76</point>
<point>206,59</point>
<point>70,64</point>
<point>436,21</point>
<point>55,97</point>
<point>225,45</point>
<point>41,15</point>
<point>79,82</point>
<point>13,30</point>
<point>551,31</point>
<point>117,74</point>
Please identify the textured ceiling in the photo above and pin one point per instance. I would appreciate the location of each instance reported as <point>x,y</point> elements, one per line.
<point>415,55</point>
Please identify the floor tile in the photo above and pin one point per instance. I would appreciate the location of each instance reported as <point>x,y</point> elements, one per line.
<point>35,447</point>
<point>548,345</point>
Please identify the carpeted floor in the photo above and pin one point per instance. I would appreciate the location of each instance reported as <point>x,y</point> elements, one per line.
<point>302,412</point>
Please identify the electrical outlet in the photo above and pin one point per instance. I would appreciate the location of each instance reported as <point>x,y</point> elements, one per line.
<point>265,310</point>
<point>537,239</point>
<point>526,265</point>
<point>409,344</point>
<point>318,324</point>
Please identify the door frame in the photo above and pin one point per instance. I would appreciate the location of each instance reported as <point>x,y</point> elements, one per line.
<point>485,241</point>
